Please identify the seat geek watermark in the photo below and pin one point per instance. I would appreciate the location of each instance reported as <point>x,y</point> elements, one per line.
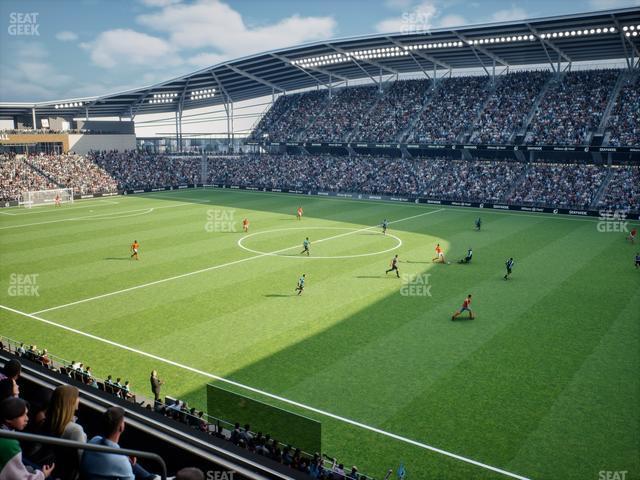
<point>24,24</point>
<point>612,221</point>
<point>415,285</point>
<point>220,475</point>
<point>612,475</point>
<point>23,285</point>
<point>220,221</point>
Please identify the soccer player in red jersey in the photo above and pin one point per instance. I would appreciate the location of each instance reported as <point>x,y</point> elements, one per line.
<point>439,255</point>
<point>245,225</point>
<point>465,308</point>
<point>134,249</point>
<point>633,235</point>
<point>299,213</point>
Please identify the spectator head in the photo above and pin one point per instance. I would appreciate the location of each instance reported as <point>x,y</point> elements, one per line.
<point>13,413</point>
<point>63,406</point>
<point>12,369</point>
<point>190,473</point>
<point>113,422</point>
<point>8,388</point>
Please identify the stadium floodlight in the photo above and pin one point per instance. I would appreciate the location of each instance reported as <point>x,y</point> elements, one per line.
<point>632,27</point>
<point>592,31</point>
<point>573,33</point>
<point>598,30</point>
<point>625,28</point>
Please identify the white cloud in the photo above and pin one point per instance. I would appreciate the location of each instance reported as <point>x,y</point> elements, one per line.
<point>452,20</point>
<point>159,3</point>
<point>215,25</point>
<point>32,76</point>
<point>66,36</point>
<point>509,14</point>
<point>418,18</point>
<point>124,46</point>
<point>202,60</point>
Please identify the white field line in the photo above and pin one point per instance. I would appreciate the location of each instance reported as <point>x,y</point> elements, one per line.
<point>101,202</point>
<point>100,216</point>
<point>273,396</point>
<point>215,267</point>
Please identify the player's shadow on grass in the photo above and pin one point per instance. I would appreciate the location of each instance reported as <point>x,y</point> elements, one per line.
<point>118,258</point>
<point>376,276</point>
<point>413,261</point>
<point>279,295</point>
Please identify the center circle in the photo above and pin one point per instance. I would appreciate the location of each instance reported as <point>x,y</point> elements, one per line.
<point>277,253</point>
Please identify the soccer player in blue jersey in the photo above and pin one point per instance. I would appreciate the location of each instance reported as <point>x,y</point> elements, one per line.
<point>478,223</point>
<point>509,264</point>
<point>637,260</point>
<point>305,246</point>
<point>300,286</point>
<point>468,257</point>
<point>385,224</point>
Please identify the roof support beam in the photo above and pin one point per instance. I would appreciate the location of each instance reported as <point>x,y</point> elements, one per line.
<point>420,54</point>
<point>548,43</point>
<point>321,70</point>
<point>370,62</point>
<point>482,50</point>
<point>253,77</point>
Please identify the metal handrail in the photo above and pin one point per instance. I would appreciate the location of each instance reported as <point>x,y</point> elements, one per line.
<point>59,442</point>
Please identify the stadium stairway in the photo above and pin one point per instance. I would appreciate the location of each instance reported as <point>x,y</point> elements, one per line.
<point>44,174</point>
<point>602,188</point>
<point>425,102</point>
<point>521,135</point>
<point>612,101</point>
<point>466,135</point>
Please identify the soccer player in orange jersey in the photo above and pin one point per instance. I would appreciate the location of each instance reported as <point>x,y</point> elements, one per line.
<point>245,225</point>
<point>465,308</point>
<point>439,255</point>
<point>134,249</point>
<point>299,213</point>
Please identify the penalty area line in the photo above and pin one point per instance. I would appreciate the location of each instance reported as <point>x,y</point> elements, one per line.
<point>271,395</point>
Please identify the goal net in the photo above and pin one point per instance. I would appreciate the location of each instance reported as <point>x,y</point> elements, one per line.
<point>47,197</point>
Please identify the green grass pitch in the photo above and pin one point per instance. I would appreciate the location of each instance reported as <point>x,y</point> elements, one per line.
<point>543,383</point>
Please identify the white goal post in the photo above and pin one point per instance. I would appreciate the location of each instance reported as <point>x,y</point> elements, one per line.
<point>36,198</point>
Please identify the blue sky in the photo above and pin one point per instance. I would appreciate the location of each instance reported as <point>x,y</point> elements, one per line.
<point>91,47</point>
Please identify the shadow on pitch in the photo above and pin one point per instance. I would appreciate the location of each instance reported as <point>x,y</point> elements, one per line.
<point>118,258</point>
<point>279,295</point>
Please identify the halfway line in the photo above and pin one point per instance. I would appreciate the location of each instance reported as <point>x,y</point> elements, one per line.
<point>215,267</point>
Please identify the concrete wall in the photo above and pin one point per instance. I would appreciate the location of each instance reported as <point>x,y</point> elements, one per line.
<point>84,143</point>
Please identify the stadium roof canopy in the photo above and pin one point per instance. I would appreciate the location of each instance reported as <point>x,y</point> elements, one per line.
<point>587,37</point>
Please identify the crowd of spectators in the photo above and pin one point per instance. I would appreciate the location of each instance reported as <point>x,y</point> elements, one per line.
<point>624,120</point>
<point>73,171</point>
<point>450,110</point>
<point>342,115</point>
<point>133,170</point>
<point>53,413</point>
<point>481,180</point>
<point>394,111</point>
<point>17,177</point>
<point>294,114</point>
<point>572,108</point>
<point>623,190</point>
<point>559,185</point>
<point>508,107</point>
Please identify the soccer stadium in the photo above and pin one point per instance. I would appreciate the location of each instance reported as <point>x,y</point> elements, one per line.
<point>319,240</point>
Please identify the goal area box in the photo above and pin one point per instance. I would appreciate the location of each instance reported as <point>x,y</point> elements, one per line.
<point>287,427</point>
<point>37,198</point>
